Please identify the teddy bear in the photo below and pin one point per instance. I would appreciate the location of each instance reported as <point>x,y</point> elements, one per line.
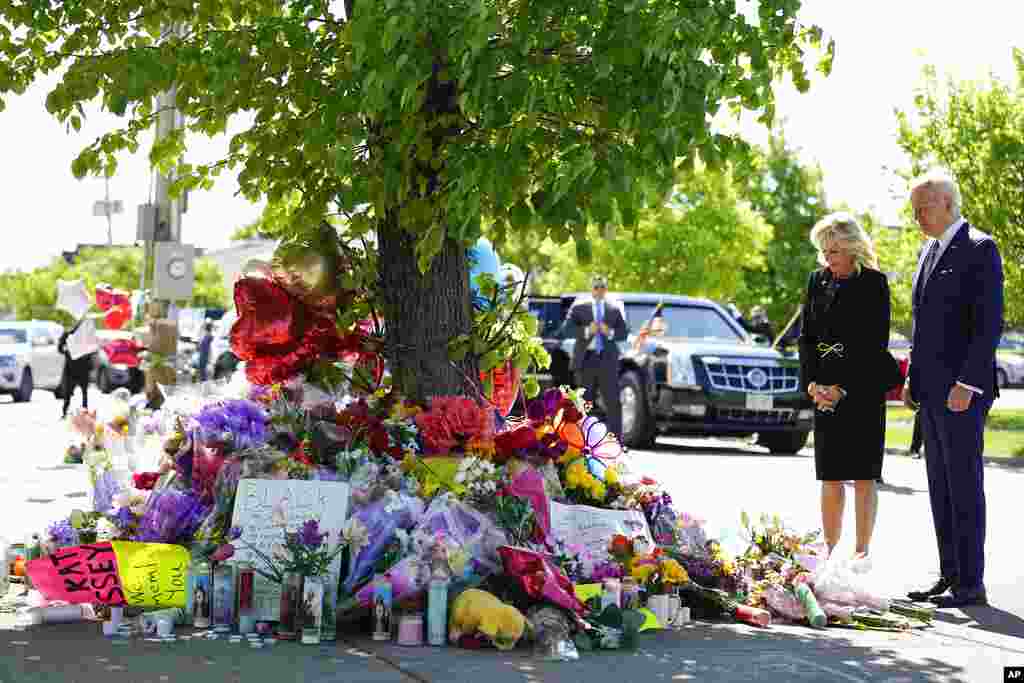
<point>476,611</point>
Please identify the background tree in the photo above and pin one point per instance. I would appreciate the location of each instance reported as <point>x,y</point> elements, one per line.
<point>32,295</point>
<point>790,196</point>
<point>698,244</point>
<point>977,131</point>
<point>416,120</point>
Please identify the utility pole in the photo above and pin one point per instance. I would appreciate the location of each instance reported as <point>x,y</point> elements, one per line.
<point>107,207</point>
<point>163,331</point>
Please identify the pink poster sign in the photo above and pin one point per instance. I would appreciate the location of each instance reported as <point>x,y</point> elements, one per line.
<point>85,573</point>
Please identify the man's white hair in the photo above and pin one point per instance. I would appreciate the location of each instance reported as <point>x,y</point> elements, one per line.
<point>940,180</point>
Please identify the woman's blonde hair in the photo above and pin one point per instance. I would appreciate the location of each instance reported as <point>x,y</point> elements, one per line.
<point>843,228</point>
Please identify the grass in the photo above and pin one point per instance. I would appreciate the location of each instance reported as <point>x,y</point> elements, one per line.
<point>1004,431</point>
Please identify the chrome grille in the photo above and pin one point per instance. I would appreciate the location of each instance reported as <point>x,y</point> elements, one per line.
<point>767,417</point>
<point>733,375</point>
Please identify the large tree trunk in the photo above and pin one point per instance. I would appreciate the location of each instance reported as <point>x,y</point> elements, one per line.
<point>422,312</point>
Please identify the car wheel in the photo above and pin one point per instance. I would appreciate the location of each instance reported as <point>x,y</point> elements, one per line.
<point>1002,381</point>
<point>103,381</point>
<point>137,382</point>
<point>637,427</point>
<point>788,443</point>
<point>25,389</point>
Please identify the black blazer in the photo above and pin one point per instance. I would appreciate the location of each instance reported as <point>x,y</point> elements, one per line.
<point>845,335</point>
<point>577,323</point>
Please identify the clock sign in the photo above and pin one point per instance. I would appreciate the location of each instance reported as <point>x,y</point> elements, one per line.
<point>177,268</point>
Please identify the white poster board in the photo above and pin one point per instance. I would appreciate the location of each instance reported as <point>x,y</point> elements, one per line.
<point>265,508</point>
<point>593,528</point>
<point>84,340</point>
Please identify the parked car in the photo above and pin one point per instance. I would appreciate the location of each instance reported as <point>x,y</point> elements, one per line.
<point>704,376</point>
<point>1009,368</point>
<point>118,362</point>
<point>29,358</point>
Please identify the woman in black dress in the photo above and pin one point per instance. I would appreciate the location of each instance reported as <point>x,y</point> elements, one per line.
<point>843,353</point>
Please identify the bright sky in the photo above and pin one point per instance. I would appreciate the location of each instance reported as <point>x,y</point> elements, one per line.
<point>845,123</point>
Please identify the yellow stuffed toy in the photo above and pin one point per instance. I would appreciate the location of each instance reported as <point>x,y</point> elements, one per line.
<point>476,611</point>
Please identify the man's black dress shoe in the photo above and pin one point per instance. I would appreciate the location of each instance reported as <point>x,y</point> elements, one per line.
<point>940,587</point>
<point>961,599</point>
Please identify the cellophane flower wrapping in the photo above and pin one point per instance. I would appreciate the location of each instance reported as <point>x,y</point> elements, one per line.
<point>849,582</point>
<point>107,486</point>
<point>472,541</point>
<point>540,578</point>
<point>171,517</point>
<point>381,519</point>
<point>783,603</point>
<point>529,485</point>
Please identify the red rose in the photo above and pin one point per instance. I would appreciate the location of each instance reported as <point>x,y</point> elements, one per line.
<point>520,438</point>
<point>145,481</point>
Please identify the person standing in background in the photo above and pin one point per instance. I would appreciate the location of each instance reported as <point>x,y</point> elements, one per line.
<point>205,345</point>
<point>598,326</point>
<point>76,371</point>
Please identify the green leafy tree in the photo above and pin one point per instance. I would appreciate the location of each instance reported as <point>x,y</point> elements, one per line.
<point>698,244</point>
<point>417,120</point>
<point>977,131</point>
<point>32,295</point>
<point>790,197</point>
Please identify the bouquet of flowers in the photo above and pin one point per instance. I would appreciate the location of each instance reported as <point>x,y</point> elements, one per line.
<point>304,552</point>
<point>516,516</point>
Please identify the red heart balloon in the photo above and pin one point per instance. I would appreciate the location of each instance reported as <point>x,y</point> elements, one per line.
<point>104,297</point>
<point>267,322</point>
<point>117,316</point>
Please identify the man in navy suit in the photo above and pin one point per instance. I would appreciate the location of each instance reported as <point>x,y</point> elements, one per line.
<point>598,326</point>
<point>958,320</point>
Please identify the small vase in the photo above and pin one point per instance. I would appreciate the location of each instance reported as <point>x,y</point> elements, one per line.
<point>288,624</point>
<point>329,620</point>
<point>312,609</point>
<point>659,604</point>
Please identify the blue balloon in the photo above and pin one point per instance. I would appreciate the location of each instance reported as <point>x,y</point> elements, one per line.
<point>482,259</point>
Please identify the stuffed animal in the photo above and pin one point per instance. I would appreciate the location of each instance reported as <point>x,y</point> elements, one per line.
<point>476,611</point>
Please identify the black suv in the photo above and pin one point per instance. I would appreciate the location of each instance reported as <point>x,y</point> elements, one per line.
<point>703,376</point>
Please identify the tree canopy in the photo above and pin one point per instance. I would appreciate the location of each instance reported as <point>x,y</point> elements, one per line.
<point>32,295</point>
<point>790,196</point>
<point>698,244</point>
<point>417,120</point>
<point>976,130</point>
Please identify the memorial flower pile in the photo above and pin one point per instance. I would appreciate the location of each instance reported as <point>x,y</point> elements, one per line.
<point>456,486</point>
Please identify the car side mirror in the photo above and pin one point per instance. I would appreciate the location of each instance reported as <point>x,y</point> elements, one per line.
<point>762,340</point>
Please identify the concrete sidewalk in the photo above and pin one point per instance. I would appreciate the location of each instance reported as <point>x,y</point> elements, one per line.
<point>78,653</point>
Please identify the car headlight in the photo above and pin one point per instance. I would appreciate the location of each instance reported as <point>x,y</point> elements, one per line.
<point>681,372</point>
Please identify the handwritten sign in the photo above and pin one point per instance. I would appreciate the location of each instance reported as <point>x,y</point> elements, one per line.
<point>265,508</point>
<point>85,573</point>
<point>153,574</point>
<point>594,527</point>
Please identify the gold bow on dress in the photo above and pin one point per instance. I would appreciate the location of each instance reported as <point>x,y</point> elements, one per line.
<point>825,349</point>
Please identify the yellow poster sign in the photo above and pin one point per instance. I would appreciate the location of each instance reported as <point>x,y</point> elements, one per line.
<point>153,574</point>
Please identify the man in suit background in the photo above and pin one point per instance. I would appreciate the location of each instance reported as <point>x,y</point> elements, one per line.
<point>958,320</point>
<point>598,325</point>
